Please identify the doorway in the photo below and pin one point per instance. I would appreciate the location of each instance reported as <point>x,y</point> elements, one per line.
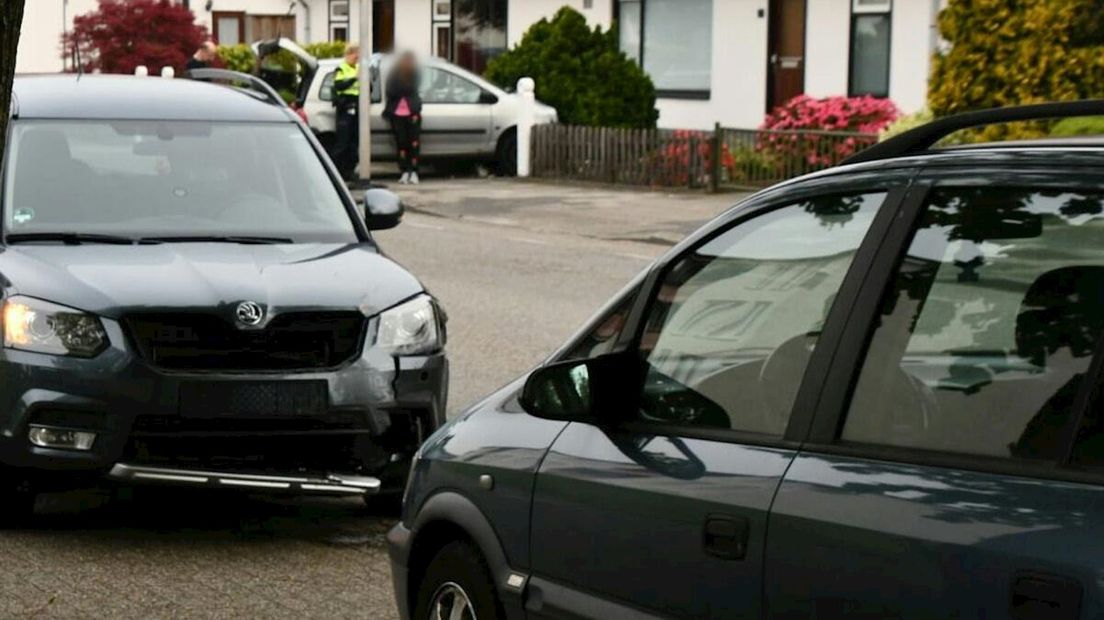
<point>786,52</point>
<point>383,26</point>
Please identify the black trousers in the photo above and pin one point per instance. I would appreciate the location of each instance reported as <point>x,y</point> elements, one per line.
<point>408,141</point>
<point>346,152</point>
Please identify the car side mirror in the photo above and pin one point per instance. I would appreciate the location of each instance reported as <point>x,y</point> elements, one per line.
<point>383,209</point>
<point>486,96</point>
<point>595,390</point>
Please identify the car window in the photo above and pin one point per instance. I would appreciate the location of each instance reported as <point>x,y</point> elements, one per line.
<point>171,178</point>
<point>601,339</point>
<point>987,330</point>
<point>735,321</point>
<point>440,86</point>
<point>325,90</point>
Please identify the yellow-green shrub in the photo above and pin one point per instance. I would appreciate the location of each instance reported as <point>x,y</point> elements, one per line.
<point>1012,52</point>
<point>326,49</point>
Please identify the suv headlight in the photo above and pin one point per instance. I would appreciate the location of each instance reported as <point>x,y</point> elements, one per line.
<point>410,328</point>
<point>43,327</point>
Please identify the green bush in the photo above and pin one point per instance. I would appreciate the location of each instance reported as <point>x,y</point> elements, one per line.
<point>1012,52</point>
<point>580,72</point>
<point>906,122</point>
<point>237,57</point>
<point>326,49</point>
<point>1084,126</point>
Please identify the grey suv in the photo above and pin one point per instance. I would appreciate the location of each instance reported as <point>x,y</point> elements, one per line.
<point>871,392</point>
<point>191,296</point>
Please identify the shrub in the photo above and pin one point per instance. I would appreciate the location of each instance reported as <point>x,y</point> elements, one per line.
<point>673,166</point>
<point>906,122</point>
<point>120,35</point>
<point>867,115</point>
<point>1084,126</point>
<point>1011,52</point>
<point>237,57</point>
<point>326,49</point>
<point>581,72</point>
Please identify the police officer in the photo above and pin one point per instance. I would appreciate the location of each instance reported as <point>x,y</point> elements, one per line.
<point>346,88</point>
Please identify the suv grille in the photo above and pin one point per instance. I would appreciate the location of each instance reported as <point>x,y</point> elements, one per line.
<point>294,341</point>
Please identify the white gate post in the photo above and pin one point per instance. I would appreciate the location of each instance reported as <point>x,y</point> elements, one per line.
<point>525,88</point>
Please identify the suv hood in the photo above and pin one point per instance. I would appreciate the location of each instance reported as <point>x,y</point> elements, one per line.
<point>110,280</point>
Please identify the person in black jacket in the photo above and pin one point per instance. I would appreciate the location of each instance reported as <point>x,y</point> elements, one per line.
<point>404,112</point>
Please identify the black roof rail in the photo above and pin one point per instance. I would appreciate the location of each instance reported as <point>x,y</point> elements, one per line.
<point>257,87</point>
<point>926,136</point>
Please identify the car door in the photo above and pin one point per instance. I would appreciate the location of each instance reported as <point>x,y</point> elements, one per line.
<point>456,114</point>
<point>954,467</point>
<point>665,514</point>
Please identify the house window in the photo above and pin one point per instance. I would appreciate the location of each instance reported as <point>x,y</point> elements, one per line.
<point>479,32</point>
<point>673,42</point>
<point>871,28</point>
<point>229,27</point>
<point>339,20</point>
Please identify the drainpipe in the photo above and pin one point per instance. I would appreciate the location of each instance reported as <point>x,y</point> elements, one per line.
<point>306,21</point>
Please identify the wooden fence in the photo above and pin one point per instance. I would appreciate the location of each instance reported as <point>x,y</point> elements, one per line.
<point>749,158</point>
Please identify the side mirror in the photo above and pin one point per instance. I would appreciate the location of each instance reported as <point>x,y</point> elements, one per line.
<point>383,209</point>
<point>591,390</point>
<point>487,97</point>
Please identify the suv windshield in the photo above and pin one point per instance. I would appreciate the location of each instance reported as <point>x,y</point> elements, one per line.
<point>173,179</point>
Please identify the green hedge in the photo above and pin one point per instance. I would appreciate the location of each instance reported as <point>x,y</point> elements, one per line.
<point>1012,52</point>
<point>579,71</point>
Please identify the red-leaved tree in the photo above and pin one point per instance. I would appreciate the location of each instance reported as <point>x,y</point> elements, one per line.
<point>123,34</point>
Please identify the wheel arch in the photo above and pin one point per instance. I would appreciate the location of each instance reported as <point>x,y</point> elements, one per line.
<point>449,516</point>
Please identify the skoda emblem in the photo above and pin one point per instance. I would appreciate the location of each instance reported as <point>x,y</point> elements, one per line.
<point>250,313</point>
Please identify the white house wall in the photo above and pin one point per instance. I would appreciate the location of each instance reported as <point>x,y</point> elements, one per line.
<point>827,46</point>
<point>524,13</point>
<point>739,81</point>
<point>44,21</point>
<point>412,29</point>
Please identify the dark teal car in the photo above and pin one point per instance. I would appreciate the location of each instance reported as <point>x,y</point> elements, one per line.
<point>872,392</point>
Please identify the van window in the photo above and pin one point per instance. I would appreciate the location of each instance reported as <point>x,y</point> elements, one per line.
<point>989,326</point>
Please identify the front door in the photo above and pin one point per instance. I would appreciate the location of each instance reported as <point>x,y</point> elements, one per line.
<point>666,513</point>
<point>786,70</point>
<point>964,477</point>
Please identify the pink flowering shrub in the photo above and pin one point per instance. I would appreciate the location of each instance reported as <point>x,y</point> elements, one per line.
<point>673,164</point>
<point>861,115</point>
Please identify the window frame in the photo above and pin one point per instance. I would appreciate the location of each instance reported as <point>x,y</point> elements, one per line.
<point>840,379</point>
<point>692,94</point>
<point>893,182</point>
<point>858,13</point>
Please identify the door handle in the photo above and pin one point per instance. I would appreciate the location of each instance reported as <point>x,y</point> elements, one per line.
<point>1039,596</point>
<point>726,536</point>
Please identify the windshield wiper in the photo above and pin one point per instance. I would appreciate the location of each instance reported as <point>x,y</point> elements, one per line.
<point>69,238</point>
<point>245,239</point>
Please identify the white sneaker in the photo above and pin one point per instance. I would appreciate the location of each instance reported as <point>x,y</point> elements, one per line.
<point>413,178</point>
<point>404,179</point>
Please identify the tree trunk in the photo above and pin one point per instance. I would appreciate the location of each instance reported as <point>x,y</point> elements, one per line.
<point>11,18</point>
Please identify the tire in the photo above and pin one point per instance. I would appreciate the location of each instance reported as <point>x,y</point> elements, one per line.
<point>458,570</point>
<point>506,154</point>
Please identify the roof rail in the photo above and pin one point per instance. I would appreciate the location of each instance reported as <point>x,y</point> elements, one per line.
<point>257,87</point>
<point>926,136</point>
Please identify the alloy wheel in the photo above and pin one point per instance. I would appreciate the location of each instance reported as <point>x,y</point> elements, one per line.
<point>450,602</point>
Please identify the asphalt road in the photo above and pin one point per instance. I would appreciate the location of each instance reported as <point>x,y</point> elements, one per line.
<point>512,295</point>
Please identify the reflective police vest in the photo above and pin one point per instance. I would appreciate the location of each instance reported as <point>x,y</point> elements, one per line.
<point>346,84</point>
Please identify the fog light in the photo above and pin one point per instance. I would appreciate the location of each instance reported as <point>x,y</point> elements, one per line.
<point>47,437</point>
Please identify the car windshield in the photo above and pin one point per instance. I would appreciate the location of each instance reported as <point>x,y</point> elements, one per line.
<point>174,179</point>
